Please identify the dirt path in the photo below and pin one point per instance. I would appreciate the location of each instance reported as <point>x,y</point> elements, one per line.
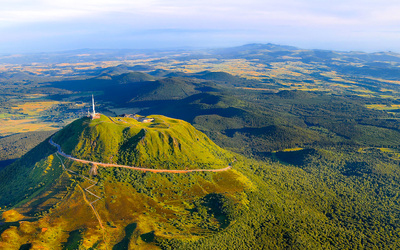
<point>95,213</point>
<point>84,196</point>
<point>135,168</point>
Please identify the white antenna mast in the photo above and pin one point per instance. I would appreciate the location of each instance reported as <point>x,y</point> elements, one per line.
<point>94,112</point>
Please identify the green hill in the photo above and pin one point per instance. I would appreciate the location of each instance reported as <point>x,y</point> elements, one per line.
<point>168,88</point>
<point>133,77</point>
<point>164,143</point>
<point>219,76</point>
<point>54,208</point>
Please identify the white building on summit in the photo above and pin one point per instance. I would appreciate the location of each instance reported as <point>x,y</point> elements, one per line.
<point>138,118</point>
<point>93,115</point>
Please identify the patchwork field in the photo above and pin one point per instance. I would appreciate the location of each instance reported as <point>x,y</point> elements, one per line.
<point>34,108</point>
<point>29,116</point>
<point>9,126</point>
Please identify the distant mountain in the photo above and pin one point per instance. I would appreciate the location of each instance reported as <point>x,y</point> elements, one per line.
<point>123,69</point>
<point>138,86</point>
<point>279,53</point>
<point>250,51</point>
<point>103,82</point>
<point>254,47</point>
<point>133,77</point>
<point>159,72</point>
<point>17,76</point>
<point>219,76</point>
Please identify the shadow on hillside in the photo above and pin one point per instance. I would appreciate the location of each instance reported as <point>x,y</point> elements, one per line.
<point>124,243</point>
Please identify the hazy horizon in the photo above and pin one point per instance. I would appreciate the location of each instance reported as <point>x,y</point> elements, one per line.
<point>53,26</point>
<point>183,48</point>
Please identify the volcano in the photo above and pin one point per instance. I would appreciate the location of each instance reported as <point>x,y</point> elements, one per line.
<point>116,182</point>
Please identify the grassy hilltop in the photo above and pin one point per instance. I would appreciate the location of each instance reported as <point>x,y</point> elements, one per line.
<point>164,143</point>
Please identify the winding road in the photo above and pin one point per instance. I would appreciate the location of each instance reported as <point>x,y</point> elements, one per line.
<point>135,168</point>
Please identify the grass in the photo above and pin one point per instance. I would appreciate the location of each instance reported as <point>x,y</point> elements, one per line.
<point>5,115</point>
<point>393,154</point>
<point>157,211</point>
<point>11,216</point>
<point>164,143</point>
<point>9,127</point>
<point>134,217</point>
<point>292,149</point>
<point>383,107</point>
<point>34,108</point>
<point>26,117</point>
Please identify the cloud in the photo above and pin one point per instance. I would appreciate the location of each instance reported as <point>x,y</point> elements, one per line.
<point>302,12</point>
<point>287,21</point>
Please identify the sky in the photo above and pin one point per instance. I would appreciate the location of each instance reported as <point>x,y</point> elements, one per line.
<point>28,26</point>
